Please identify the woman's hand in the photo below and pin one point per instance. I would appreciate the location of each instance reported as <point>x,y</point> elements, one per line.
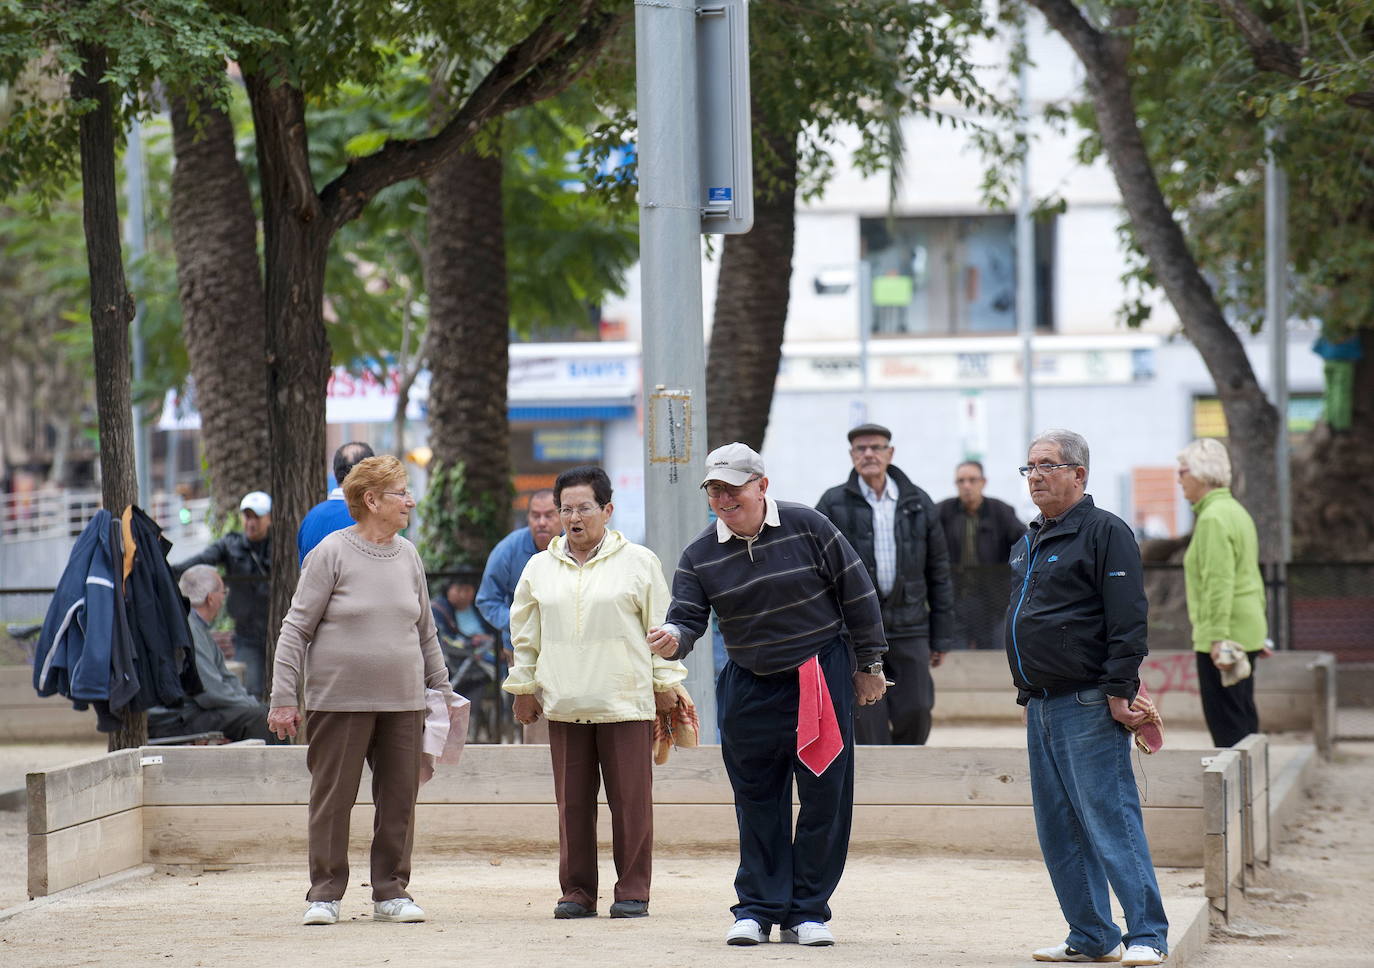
<point>283,721</point>
<point>526,709</point>
<point>665,701</point>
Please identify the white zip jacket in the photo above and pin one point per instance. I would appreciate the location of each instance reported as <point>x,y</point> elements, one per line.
<point>578,633</point>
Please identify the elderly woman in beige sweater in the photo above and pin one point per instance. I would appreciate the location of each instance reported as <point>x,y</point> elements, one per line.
<point>361,635</point>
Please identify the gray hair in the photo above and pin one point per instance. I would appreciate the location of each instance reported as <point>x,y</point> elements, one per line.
<point>1208,461</point>
<point>198,583</point>
<point>1073,448</point>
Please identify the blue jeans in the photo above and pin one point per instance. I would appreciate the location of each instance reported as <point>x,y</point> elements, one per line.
<point>1087,815</point>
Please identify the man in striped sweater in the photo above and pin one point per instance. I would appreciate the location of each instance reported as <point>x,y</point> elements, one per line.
<point>804,636</point>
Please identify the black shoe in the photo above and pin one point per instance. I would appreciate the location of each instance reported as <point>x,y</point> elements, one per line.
<point>571,909</point>
<point>630,909</point>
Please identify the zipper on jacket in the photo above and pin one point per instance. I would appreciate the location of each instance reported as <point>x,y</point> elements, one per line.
<point>1016,613</point>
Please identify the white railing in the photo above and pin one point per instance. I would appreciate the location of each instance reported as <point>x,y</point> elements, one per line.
<point>43,515</point>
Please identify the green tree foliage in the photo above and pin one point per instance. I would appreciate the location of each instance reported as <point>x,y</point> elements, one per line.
<point>1205,105</point>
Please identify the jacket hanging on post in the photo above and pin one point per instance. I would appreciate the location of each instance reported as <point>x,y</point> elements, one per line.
<point>116,634</point>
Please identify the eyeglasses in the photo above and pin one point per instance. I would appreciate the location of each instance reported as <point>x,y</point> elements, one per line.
<point>718,491</point>
<point>1042,469</point>
<point>869,448</point>
<point>403,495</point>
<point>582,510</point>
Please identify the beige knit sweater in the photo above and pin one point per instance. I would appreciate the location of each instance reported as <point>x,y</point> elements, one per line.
<point>360,630</point>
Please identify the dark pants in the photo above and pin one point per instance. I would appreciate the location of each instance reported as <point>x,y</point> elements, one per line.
<point>251,651</point>
<point>237,723</point>
<point>786,878</point>
<point>622,754</point>
<point>902,717</point>
<point>392,745</point>
<point>1229,710</point>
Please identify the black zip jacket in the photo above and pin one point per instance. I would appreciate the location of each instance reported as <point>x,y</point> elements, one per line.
<point>248,600</point>
<point>921,602</point>
<point>1077,613</point>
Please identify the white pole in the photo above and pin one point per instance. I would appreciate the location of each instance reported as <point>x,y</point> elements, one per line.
<point>1276,319</point>
<point>1025,261</point>
<point>134,240</point>
<point>670,273</point>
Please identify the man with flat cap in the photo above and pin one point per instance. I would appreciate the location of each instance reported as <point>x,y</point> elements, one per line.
<point>805,642</point>
<point>894,527</point>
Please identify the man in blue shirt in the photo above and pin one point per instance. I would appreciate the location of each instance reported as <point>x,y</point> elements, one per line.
<point>331,515</point>
<point>504,565</point>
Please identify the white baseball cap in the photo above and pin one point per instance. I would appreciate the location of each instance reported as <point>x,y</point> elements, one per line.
<point>259,502</point>
<point>732,464</point>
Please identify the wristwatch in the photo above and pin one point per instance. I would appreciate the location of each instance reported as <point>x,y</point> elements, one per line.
<point>873,668</point>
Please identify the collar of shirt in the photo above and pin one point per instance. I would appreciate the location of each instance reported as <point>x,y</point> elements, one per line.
<point>872,496</point>
<point>770,520</point>
<point>336,494</point>
<point>567,552</point>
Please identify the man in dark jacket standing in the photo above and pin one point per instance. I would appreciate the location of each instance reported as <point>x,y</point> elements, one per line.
<point>1075,641</point>
<point>247,556</point>
<point>894,527</point>
<point>981,532</point>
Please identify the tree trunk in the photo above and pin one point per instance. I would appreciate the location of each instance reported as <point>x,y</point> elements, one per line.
<point>215,234</point>
<point>112,309</point>
<point>1333,476</point>
<point>296,242</point>
<point>751,301</point>
<point>1251,419</point>
<point>467,346</point>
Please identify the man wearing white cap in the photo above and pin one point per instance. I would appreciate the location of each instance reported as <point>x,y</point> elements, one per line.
<point>247,557</point>
<point>791,595</point>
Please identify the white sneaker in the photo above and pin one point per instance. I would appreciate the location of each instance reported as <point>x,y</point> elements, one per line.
<point>808,932</point>
<point>746,931</point>
<point>1062,952</point>
<point>401,909</point>
<point>321,912</point>
<point>1143,954</point>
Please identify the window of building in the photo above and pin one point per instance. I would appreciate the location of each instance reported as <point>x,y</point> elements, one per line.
<point>951,275</point>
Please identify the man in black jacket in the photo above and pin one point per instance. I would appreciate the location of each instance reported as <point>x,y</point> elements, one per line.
<point>981,532</point>
<point>247,557</point>
<point>893,526</point>
<point>1075,641</point>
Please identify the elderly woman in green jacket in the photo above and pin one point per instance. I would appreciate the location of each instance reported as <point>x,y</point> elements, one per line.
<point>1225,591</point>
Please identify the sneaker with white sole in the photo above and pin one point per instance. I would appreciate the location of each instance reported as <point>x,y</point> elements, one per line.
<point>401,909</point>
<point>746,931</point>
<point>321,912</point>
<point>1143,954</point>
<point>1062,952</point>
<point>812,933</point>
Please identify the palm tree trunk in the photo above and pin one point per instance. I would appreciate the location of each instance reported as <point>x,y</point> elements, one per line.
<point>467,345</point>
<point>751,299</point>
<point>214,231</point>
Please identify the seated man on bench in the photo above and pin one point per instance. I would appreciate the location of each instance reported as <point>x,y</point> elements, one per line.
<point>225,705</point>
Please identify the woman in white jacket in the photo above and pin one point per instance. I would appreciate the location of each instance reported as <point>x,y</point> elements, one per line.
<point>581,613</point>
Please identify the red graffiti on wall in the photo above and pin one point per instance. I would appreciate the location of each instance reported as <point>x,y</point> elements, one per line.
<point>1162,674</point>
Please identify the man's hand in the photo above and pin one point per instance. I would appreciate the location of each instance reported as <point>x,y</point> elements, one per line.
<point>526,709</point>
<point>868,689</point>
<point>1124,714</point>
<point>665,702</point>
<point>936,658</point>
<point>283,721</point>
<point>662,642</point>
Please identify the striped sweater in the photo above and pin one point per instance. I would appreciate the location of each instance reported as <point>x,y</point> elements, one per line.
<point>781,601</point>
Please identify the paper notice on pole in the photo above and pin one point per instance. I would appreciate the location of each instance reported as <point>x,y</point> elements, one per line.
<point>670,429</point>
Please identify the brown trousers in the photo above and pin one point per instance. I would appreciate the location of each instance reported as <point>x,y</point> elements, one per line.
<point>392,745</point>
<point>622,753</point>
